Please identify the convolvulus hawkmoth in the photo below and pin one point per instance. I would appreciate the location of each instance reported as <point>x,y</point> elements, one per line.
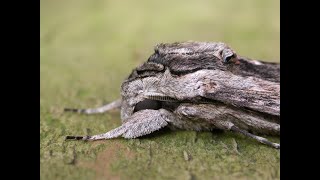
<point>197,86</point>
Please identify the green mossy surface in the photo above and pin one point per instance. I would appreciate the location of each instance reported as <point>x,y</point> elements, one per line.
<point>89,47</point>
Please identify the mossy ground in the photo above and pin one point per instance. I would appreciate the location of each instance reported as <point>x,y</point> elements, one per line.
<point>89,47</point>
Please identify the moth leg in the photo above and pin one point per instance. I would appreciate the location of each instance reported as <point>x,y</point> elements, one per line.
<point>226,125</point>
<point>113,105</point>
<point>216,116</point>
<point>258,138</point>
<point>139,124</point>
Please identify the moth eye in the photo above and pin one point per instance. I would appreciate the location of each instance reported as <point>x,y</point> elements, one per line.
<point>147,104</point>
<point>227,55</point>
<point>227,59</point>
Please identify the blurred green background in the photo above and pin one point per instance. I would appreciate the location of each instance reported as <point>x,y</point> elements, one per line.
<point>88,47</point>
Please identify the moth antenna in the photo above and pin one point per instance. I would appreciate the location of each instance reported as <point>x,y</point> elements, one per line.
<point>113,105</point>
<point>77,137</point>
<point>159,97</point>
<point>74,110</point>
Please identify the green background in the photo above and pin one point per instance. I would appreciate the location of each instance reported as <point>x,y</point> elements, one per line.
<point>88,47</point>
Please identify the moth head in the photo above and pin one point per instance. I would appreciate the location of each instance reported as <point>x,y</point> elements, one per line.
<point>142,80</point>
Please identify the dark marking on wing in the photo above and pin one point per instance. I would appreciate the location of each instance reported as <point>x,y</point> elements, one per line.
<point>146,69</point>
<point>181,65</point>
<point>188,62</point>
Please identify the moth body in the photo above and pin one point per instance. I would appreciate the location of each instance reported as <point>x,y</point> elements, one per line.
<point>198,86</point>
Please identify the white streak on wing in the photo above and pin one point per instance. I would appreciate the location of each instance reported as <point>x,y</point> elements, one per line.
<point>256,62</point>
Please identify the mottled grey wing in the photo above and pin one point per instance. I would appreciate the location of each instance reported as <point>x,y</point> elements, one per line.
<point>188,57</point>
<point>182,58</point>
<point>185,58</point>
